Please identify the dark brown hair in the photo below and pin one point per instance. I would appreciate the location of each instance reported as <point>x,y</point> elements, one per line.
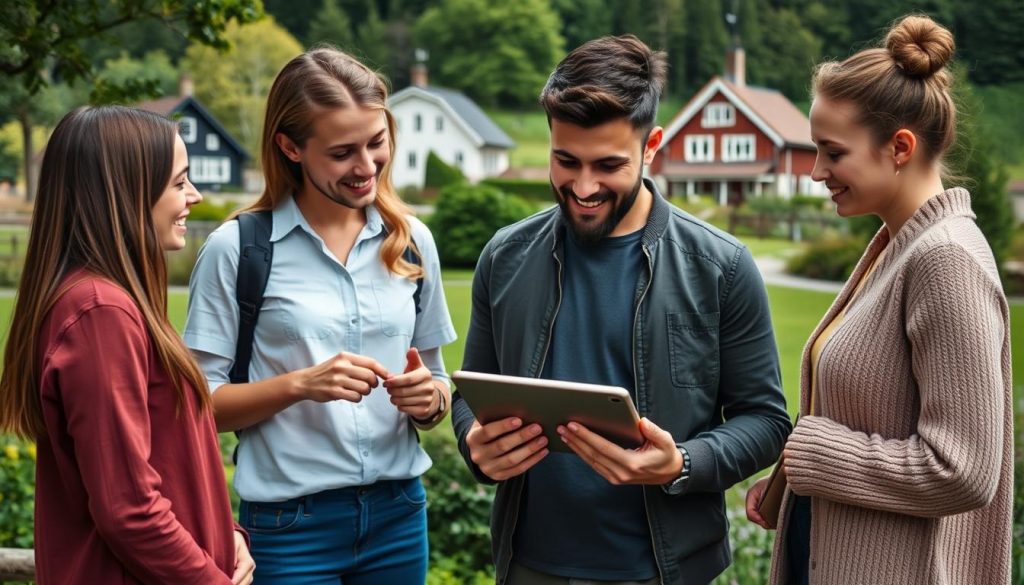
<point>326,78</point>
<point>903,85</point>
<point>605,79</point>
<point>103,171</point>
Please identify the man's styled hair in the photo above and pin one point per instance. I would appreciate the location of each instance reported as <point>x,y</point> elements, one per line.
<point>606,79</point>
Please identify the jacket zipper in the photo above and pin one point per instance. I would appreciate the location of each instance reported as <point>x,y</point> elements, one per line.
<point>537,374</point>
<point>636,382</point>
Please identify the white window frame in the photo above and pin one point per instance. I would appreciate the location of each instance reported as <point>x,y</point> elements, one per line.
<point>417,123</point>
<point>412,160</point>
<point>459,160</point>
<point>439,124</point>
<point>187,129</point>
<point>699,148</point>
<point>718,115</point>
<point>739,148</point>
<point>212,142</point>
<point>209,169</point>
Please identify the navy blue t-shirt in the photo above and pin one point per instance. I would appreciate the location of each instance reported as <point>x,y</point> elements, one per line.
<point>572,522</point>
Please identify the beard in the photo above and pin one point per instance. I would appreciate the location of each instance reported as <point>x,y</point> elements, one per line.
<point>591,231</point>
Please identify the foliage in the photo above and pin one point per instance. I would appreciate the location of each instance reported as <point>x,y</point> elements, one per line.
<point>458,509</point>
<point>976,159</point>
<point>155,67</point>
<point>525,188</point>
<point>751,544</point>
<point>988,38</point>
<point>440,174</point>
<point>234,84</point>
<point>330,25</point>
<point>17,492</point>
<point>467,216</point>
<point>498,53</point>
<point>833,258</point>
<point>783,61</point>
<point>1018,499</point>
<point>37,37</point>
<point>207,210</point>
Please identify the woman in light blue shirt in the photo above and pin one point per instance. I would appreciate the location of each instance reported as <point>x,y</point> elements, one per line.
<point>344,357</point>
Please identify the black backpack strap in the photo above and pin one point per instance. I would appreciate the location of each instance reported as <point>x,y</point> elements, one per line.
<point>412,257</point>
<point>255,256</point>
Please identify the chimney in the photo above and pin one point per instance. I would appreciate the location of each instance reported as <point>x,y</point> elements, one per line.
<point>185,85</point>
<point>418,75</point>
<point>736,65</point>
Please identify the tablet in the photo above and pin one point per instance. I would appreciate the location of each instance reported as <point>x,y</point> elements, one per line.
<point>606,410</point>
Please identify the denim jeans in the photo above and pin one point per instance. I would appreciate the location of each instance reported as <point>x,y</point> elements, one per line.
<point>364,535</point>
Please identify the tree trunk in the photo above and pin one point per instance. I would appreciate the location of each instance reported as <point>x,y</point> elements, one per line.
<point>25,118</point>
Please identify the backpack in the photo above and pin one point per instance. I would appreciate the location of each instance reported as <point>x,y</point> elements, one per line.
<point>255,255</point>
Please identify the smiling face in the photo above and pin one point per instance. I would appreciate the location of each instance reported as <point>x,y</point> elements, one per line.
<point>860,174</point>
<point>345,155</point>
<point>171,209</point>
<point>596,176</point>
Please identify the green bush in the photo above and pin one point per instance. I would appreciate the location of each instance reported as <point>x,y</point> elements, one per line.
<point>466,217</point>
<point>207,210</point>
<point>830,259</point>
<point>525,188</point>
<point>17,492</point>
<point>458,509</point>
<point>440,174</point>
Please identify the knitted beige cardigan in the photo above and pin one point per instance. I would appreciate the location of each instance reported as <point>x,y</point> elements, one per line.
<point>909,463</point>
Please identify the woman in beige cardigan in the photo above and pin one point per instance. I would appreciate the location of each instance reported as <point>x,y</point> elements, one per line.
<point>900,469</point>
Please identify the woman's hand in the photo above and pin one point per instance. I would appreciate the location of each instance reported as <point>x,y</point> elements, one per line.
<point>244,565</point>
<point>754,495</point>
<point>346,376</point>
<point>414,391</point>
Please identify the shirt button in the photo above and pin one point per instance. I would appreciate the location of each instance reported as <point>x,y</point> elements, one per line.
<point>352,321</point>
<point>366,453</point>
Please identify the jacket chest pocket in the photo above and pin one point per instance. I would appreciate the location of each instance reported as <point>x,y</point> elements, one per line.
<point>693,349</point>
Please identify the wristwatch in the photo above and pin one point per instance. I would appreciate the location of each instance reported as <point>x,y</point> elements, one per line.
<point>441,405</point>
<point>678,485</point>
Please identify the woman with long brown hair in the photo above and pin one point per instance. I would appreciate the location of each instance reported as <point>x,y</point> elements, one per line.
<point>328,462</point>
<point>129,481</point>
<point>900,469</point>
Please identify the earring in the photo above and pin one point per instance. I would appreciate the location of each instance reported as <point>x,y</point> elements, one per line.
<point>897,168</point>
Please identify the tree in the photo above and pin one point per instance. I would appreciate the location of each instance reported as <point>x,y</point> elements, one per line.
<point>154,66</point>
<point>234,85</point>
<point>37,36</point>
<point>583,20</point>
<point>784,61</point>
<point>42,41</point>
<point>988,37</point>
<point>468,215</point>
<point>330,25</point>
<point>497,53</point>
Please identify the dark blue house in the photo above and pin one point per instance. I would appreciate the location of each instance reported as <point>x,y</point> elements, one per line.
<point>215,158</point>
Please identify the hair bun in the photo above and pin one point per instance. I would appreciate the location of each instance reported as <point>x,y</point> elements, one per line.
<point>919,45</point>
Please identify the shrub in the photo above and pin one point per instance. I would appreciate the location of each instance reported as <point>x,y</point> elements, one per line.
<point>830,259</point>
<point>440,174</point>
<point>525,188</point>
<point>17,492</point>
<point>458,509</point>
<point>467,216</point>
<point>207,210</point>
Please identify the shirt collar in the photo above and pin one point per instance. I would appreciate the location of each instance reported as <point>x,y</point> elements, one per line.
<point>287,217</point>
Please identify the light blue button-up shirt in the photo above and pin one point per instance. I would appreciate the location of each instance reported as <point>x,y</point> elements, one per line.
<point>315,307</point>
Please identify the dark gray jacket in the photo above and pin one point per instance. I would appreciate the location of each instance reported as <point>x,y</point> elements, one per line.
<point>705,365</point>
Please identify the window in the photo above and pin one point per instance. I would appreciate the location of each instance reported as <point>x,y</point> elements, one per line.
<point>412,157</point>
<point>440,124</point>
<point>490,163</point>
<point>209,169</point>
<point>458,157</point>
<point>187,129</point>
<point>700,148</point>
<point>417,123</point>
<point>718,115</point>
<point>738,147</point>
<point>212,142</point>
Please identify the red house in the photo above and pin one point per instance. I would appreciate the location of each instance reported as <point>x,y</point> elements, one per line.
<point>735,141</point>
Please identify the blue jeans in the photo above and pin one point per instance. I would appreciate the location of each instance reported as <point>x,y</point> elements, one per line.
<point>364,535</point>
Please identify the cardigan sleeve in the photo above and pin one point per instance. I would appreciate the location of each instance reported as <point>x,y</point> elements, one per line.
<point>956,323</point>
<point>102,363</point>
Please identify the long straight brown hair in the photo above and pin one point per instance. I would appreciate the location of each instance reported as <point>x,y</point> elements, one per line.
<point>326,78</point>
<point>103,170</point>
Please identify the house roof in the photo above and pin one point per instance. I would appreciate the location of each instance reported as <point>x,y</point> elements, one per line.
<point>169,106</point>
<point>481,128</point>
<point>768,109</point>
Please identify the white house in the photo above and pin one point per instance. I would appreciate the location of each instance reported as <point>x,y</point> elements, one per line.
<point>450,124</point>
